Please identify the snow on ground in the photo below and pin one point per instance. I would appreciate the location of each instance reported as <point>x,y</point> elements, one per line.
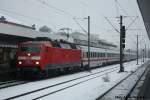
<point>85,91</point>
<point>94,88</point>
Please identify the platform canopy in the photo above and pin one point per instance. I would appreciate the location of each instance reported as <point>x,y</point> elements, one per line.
<point>144,6</point>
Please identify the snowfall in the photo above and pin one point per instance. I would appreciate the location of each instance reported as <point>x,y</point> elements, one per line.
<point>88,90</point>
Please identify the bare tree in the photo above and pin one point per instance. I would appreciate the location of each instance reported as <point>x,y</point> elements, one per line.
<point>45,29</point>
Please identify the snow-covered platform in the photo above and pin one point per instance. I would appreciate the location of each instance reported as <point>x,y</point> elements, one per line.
<point>129,88</point>
<point>144,89</point>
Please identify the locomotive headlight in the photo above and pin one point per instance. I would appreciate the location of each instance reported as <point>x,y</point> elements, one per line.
<point>19,62</point>
<point>29,54</point>
<point>35,57</point>
<point>22,58</point>
<point>36,62</point>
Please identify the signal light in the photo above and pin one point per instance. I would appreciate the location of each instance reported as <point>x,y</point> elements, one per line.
<point>123,40</point>
<point>123,45</point>
<point>123,33</point>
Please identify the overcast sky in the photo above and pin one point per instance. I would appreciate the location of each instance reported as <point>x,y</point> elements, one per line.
<point>60,13</point>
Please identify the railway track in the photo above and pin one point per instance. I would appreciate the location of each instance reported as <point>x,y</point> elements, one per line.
<point>6,84</point>
<point>6,80</point>
<point>64,85</point>
<point>61,89</point>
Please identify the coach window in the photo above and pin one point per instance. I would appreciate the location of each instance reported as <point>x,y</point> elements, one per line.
<point>93,54</point>
<point>87,54</point>
<point>103,54</point>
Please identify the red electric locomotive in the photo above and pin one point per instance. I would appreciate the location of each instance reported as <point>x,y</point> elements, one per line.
<point>43,56</point>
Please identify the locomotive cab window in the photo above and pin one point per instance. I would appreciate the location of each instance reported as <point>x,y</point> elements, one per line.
<point>30,48</point>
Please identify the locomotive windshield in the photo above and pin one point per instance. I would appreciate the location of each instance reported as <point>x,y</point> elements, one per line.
<point>30,48</point>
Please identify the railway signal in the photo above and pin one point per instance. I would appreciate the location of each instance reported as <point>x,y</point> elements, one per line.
<point>123,36</point>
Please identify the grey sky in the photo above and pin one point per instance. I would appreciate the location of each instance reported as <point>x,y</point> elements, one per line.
<point>34,12</point>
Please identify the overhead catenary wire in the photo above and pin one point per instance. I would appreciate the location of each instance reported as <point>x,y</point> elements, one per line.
<point>132,20</point>
<point>117,8</point>
<point>62,11</point>
<point>55,8</point>
<point>132,23</point>
<point>102,15</point>
<point>26,16</point>
<point>112,25</point>
<point>121,7</point>
<point>80,25</point>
